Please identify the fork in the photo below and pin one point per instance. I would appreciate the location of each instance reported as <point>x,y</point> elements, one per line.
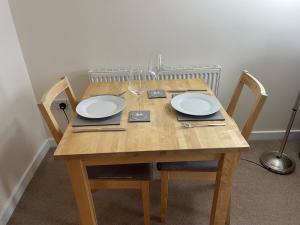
<point>185,90</point>
<point>191,125</point>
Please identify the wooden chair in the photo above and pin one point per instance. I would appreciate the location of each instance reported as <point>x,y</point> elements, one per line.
<point>207,169</point>
<point>131,176</point>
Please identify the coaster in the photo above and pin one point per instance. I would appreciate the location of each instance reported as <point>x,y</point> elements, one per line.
<point>133,117</point>
<point>156,94</point>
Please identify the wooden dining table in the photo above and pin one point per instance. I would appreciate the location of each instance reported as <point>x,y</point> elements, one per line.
<point>163,139</point>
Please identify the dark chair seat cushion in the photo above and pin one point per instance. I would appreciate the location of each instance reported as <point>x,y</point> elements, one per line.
<point>142,171</point>
<point>209,166</point>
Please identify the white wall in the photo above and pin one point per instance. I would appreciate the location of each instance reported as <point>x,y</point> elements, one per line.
<point>259,35</point>
<point>21,132</point>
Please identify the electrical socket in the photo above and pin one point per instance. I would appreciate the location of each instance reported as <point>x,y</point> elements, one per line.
<point>55,104</point>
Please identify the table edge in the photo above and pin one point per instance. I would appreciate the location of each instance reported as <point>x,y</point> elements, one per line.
<point>241,149</point>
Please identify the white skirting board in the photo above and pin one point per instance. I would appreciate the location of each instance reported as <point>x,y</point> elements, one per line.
<point>274,135</point>
<point>18,191</point>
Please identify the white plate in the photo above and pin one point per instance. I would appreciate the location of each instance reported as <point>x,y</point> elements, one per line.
<point>100,106</point>
<point>195,104</point>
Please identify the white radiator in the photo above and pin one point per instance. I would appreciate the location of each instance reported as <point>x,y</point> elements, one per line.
<point>211,74</point>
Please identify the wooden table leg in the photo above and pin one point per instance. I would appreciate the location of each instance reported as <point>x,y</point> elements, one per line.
<point>82,192</point>
<point>223,185</point>
<point>164,190</point>
<point>228,212</point>
<point>146,201</point>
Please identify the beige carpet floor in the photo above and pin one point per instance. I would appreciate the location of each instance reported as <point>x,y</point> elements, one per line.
<point>258,198</point>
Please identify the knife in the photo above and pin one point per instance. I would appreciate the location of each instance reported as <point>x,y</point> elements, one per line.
<point>82,130</point>
<point>94,95</point>
<point>185,90</point>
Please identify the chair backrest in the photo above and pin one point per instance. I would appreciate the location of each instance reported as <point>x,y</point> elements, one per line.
<point>211,74</point>
<point>47,100</point>
<point>260,97</point>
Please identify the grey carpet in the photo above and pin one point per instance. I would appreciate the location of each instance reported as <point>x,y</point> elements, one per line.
<point>258,198</point>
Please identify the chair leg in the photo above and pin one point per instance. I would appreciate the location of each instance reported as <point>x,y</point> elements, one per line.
<point>146,201</point>
<point>164,195</point>
<point>228,213</point>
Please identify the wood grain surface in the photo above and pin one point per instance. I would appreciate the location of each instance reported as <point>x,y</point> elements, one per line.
<point>163,135</point>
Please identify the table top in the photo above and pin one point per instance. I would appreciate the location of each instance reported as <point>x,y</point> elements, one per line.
<point>164,133</point>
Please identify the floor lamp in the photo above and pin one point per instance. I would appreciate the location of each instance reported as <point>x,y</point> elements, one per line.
<point>277,161</point>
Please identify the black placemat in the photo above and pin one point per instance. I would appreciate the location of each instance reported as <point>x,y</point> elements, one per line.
<point>80,121</point>
<point>218,116</point>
